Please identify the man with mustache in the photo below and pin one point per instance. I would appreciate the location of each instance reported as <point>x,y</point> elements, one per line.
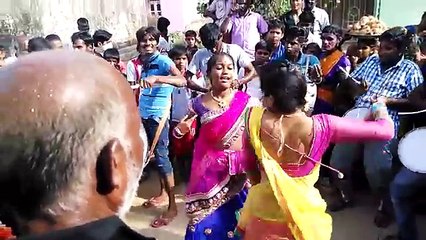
<point>71,154</point>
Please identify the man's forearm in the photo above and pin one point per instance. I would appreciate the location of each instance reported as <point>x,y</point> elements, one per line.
<point>193,86</point>
<point>398,104</point>
<point>178,81</point>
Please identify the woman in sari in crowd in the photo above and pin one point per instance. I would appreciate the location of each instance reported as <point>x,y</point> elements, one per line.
<point>332,60</point>
<point>222,155</point>
<point>289,146</point>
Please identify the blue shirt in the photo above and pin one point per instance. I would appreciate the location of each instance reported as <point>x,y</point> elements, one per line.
<point>155,101</point>
<point>278,53</point>
<point>396,82</point>
<point>304,60</point>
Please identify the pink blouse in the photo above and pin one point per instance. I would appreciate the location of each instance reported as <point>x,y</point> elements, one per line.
<point>331,129</point>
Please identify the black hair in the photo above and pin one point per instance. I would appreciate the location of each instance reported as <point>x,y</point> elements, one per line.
<point>112,53</point>
<point>422,25</point>
<point>213,60</point>
<point>307,17</point>
<point>2,48</point>
<point>337,31</point>
<point>101,36</point>
<point>398,36</point>
<point>145,31</point>
<point>317,51</point>
<point>296,32</point>
<point>162,24</point>
<point>190,33</point>
<point>38,44</point>
<point>276,24</point>
<point>178,51</point>
<point>286,87</point>
<point>83,24</point>
<point>52,37</point>
<point>85,36</point>
<point>369,41</point>
<point>264,45</point>
<point>210,34</point>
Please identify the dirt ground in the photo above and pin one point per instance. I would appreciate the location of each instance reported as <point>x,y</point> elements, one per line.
<point>351,224</point>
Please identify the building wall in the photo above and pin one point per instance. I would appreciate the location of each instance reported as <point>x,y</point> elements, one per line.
<point>40,17</point>
<point>400,13</point>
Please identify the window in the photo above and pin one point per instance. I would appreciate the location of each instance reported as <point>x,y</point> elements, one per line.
<point>155,7</point>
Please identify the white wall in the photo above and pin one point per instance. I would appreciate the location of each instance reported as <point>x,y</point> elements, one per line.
<point>181,13</point>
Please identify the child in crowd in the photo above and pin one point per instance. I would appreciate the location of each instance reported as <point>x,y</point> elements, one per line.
<point>263,52</point>
<point>313,49</point>
<point>112,56</point>
<point>367,46</point>
<point>353,55</point>
<point>274,37</point>
<point>181,148</point>
<point>191,43</point>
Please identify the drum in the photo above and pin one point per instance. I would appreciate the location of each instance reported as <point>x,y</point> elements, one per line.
<point>412,150</point>
<point>357,113</point>
<point>311,97</point>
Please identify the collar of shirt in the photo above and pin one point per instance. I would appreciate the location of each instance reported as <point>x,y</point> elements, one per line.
<point>110,228</point>
<point>279,52</point>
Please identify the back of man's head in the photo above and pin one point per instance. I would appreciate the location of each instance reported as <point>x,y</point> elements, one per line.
<point>64,145</point>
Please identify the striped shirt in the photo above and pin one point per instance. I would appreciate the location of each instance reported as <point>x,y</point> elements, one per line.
<point>396,82</point>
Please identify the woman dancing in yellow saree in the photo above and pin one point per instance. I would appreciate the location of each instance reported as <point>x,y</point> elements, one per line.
<point>285,204</point>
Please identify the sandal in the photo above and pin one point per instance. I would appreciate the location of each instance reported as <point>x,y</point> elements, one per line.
<point>162,221</point>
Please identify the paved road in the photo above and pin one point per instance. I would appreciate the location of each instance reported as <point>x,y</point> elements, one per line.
<point>352,224</point>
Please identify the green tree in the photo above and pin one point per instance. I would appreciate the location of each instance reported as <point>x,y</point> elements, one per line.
<point>271,8</point>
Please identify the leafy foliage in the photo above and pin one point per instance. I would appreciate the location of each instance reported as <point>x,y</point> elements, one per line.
<point>272,8</point>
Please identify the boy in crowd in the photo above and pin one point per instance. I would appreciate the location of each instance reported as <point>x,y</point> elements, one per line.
<point>263,52</point>
<point>163,44</point>
<point>55,41</point>
<point>159,76</point>
<point>367,46</point>
<point>112,55</point>
<point>274,37</point>
<point>83,41</point>
<point>182,148</point>
<point>191,43</point>
<point>102,40</point>
<point>307,21</point>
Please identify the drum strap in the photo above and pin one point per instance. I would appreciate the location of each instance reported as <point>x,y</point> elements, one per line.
<point>160,128</point>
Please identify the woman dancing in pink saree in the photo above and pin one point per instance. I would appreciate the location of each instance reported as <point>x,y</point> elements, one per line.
<point>222,155</point>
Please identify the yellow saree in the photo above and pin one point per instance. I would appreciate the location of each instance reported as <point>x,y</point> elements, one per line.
<point>282,202</point>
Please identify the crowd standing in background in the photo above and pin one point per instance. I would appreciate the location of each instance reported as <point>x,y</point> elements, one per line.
<point>255,121</point>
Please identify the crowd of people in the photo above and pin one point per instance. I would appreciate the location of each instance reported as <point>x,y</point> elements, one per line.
<point>246,119</point>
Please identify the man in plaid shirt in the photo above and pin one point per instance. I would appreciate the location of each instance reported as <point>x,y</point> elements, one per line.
<point>391,78</point>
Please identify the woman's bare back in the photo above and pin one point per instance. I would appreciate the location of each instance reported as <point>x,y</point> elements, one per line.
<point>286,141</point>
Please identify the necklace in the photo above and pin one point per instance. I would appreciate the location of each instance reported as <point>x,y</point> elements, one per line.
<point>220,102</point>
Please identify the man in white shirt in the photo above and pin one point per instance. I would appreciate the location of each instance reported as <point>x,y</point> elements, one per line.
<point>218,10</point>
<point>212,41</point>
<point>322,18</point>
<point>163,44</point>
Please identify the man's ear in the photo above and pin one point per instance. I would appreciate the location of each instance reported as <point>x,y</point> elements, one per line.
<point>108,165</point>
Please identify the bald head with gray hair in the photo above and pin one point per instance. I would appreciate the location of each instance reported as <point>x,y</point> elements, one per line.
<point>70,145</point>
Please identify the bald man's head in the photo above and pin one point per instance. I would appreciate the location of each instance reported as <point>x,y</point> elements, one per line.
<point>69,135</point>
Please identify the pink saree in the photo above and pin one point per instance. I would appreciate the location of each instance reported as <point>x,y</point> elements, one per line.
<point>217,172</point>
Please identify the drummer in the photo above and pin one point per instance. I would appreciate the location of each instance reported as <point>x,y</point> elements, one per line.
<point>391,77</point>
<point>406,182</point>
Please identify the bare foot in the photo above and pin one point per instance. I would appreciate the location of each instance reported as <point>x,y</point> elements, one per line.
<point>156,201</point>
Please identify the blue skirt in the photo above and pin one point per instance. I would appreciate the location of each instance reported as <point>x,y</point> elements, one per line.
<point>221,224</point>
